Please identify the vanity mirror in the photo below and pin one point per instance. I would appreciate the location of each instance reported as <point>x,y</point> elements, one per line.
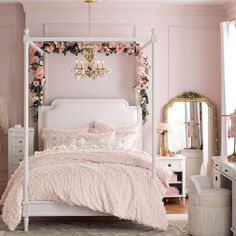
<point>193,123</point>
<point>192,131</point>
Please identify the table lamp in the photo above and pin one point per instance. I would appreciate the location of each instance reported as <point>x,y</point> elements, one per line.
<point>232,133</point>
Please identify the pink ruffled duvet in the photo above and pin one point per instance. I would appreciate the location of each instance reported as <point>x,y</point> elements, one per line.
<point>117,182</point>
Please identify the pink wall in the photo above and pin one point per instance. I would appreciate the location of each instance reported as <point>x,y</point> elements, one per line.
<point>188,52</point>
<point>230,9</point>
<point>188,49</point>
<point>11,78</point>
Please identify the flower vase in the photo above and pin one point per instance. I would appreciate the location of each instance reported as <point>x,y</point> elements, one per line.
<point>163,144</point>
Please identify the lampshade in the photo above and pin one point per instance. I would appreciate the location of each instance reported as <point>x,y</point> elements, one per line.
<point>232,128</point>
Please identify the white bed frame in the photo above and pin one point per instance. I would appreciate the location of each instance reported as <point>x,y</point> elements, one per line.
<point>74,113</point>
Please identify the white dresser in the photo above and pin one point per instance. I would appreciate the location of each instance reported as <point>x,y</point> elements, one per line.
<point>224,175</point>
<point>16,147</point>
<point>177,165</point>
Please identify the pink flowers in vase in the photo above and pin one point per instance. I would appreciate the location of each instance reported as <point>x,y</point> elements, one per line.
<point>162,128</point>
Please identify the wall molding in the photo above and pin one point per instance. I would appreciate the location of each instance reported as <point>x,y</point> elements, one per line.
<point>187,27</point>
<point>230,9</point>
<point>73,7</point>
<point>84,26</point>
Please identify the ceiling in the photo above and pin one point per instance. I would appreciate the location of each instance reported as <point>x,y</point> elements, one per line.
<point>169,2</point>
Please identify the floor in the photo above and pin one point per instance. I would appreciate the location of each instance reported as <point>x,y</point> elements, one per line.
<point>174,206</point>
<point>101,228</point>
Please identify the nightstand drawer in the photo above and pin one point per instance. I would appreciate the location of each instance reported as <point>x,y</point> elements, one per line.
<point>18,150</point>
<point>17,159</point>
<point>173,165</point>
<point>226,170</point>
<point>18,141</point>
<point>217,165</point>
<point>16,144</point>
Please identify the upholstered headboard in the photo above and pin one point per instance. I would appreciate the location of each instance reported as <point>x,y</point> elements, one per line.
<point>73,113</point>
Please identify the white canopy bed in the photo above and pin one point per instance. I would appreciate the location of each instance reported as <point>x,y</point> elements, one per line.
<point>59,115</point>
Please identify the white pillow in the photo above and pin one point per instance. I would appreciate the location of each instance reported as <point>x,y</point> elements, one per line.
<point>126,135</point>
<point>89,139</point>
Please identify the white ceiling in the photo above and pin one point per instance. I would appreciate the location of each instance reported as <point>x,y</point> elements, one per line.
<point>170,2</point>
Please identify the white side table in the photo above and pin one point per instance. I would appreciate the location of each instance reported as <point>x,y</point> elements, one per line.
<point>16,147</point>
<point>177,165</point>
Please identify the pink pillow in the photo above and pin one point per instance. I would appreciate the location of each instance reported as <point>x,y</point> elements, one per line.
<point>127,135</point>
<point>56,137</point>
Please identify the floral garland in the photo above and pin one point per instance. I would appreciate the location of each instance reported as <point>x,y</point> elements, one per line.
<point>36,86</point>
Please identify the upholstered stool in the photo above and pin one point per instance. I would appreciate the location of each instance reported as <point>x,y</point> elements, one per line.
<point>209,212</point>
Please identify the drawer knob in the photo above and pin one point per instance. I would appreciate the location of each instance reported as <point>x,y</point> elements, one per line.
<point>21,160</point>
<point>20,141</point>
<point>20,150</point>
<point>216,178</point>
<point>169,165</point>
<point>216,165</point>
<point>226,170</point>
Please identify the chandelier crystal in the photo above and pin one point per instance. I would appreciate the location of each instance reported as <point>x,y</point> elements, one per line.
<point>87,67</point>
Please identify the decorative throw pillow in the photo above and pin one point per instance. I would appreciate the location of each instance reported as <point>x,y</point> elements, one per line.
<point>55,137</point>
<point>126,135</point>
<point>58,137</point>
<point>98,139</point>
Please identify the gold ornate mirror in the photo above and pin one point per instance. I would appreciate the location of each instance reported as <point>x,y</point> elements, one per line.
<point>193,123</point>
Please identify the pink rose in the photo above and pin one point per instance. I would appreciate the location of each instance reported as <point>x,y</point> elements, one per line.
<point>52,47</point>
<point>36,83</point>
<point>80,45</point>
<point>33,94</point>
<point>120,47</point>
<point>57,45</point>
<point>112,45</point>
<point>39,73</point>
<point>130,51</point>
<point>39,44</point>
<point>138,88</point>
<point>34,99</point>
<point>34,59</point>
<point>142,55</point>
<point>48,49</point>
<point>98,46</point>
<point>62,47</point>
<point>162,128</point>
<point>31,51</point>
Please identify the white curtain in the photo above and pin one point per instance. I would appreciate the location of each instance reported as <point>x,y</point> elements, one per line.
<point>207,133</point>
<point>228,81</point>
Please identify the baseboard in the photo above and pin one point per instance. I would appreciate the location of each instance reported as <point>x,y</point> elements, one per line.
<point>177,216</point>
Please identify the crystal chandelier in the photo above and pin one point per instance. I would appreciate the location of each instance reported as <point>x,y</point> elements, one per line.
<point>87,67</point>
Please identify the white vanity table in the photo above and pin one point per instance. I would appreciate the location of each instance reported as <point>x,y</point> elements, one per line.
<point>224,175</point>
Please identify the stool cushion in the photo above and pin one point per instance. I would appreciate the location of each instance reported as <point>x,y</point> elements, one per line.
<point>211,198</point>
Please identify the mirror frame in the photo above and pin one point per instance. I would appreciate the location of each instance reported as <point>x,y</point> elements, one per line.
<point>195,97</point>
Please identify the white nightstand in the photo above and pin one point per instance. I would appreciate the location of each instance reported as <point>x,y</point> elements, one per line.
<point>177,165</point>
<point>16,147</point>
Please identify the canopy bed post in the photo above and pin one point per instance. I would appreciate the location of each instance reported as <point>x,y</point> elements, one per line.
<point>154,143</point>
<point>26,128</point>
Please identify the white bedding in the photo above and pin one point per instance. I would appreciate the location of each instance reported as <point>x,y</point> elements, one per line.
<point>114,181</point>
